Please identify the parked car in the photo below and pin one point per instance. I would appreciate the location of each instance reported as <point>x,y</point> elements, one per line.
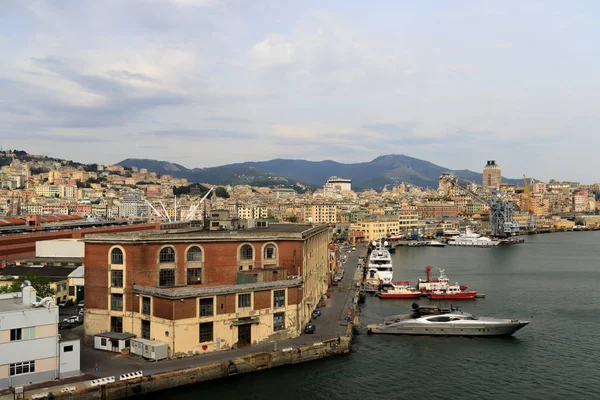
<point>81,312</point>
<point>316,313</point>
<point>64,325</point>
<point>75,319</point>
<point>310,328</point>
<point>334,282</point>
<point>65,303</point>
<point>80,305</point>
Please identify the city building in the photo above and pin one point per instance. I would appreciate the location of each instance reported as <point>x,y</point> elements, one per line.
<point>202,291</point>
<point>30,347</point>
<point>492,175</point>
<point>320,213</point>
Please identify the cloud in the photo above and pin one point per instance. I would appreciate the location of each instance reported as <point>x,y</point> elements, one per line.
<point>215,134</point>
<point>302,81</point>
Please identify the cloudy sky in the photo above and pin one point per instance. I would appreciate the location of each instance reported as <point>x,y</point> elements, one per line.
<point>210,82</point>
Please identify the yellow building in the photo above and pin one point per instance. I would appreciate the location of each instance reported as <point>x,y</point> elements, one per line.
<point>377,227</point>
<point>321,213</point>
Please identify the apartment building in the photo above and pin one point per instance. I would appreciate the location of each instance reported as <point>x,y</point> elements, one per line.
<point>30,346</point>
<point>321,213</point>
<point>203,291</point>
<point>376,227</point>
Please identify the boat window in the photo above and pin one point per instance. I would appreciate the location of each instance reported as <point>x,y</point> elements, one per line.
<point>439,319</point>
<point>470,318</point>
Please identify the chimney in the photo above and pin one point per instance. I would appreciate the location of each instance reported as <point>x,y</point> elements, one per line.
<point>29,295</point>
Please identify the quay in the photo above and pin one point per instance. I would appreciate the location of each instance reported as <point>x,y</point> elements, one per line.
<point>109,376</point>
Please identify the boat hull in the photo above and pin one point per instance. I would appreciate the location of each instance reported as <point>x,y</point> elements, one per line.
<point>399,295</point>
<point>480,330</point>
<point>453,296</point>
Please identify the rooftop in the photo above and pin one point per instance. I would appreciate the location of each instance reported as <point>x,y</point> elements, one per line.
<point>48,271</point>
<point>273,231</point>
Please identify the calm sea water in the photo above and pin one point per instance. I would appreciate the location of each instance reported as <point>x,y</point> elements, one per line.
<point>552,279</point>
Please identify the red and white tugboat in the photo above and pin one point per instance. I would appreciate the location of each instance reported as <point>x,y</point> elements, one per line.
<point>430,285</point>
<point>399,290</point>
<point>453,292</point>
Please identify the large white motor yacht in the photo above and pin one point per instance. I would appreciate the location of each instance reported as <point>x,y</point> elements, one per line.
<point>381,260</point>
<point>470,238</point>
<point>440,322</point>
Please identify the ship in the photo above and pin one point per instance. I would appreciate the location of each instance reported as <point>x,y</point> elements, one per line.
<point>471,239</point>
<point>435,321</point>
<point>452,292</point>
<point>430,285</point>
<point>399,290</point>
<point>381,260</point>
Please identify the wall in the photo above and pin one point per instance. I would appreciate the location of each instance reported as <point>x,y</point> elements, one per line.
<point>241,365</point>
<point>60,248</point>
<point>70,361</point>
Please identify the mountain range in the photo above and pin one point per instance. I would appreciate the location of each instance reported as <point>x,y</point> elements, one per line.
<point>385,170</point>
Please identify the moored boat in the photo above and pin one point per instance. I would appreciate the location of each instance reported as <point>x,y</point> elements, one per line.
<point>381,260</point>
<point>435,321</point>
<point>429,285</point>
<point>453,292</point>
<point>399,290</point>
<point>435,243</point>
<point>471,239</point>
<point>372,280</point>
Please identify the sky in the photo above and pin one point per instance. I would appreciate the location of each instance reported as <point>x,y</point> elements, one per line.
<point>208,82</point>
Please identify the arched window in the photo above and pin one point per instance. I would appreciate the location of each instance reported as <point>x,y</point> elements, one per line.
<point>194,254</point>
<point>167,255</point>
<point>246,252</point>
<point>270,252</point>
<point>116,256</point>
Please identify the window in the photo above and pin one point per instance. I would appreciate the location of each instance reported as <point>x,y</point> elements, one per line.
<point>215,224</point>
<point>279,298</point>
<point>16,334</point>
<point>116,278</point>
<point>244,300</point>
<point>116,302</point>
<point>166,278</point>
<point>21,368</point>
<point>71,290</point>
<point>206,307</point>
<point>194,254</point>
<point>167,255</point>
<point>103,342</point>
<point>278,321</point>
<point>145,329</point>
<point>206,332</point>
<point>270,252</point>
<point>116,324</point>
<point>67,349</point>
<point>246,252</point>
<point>29,333</point>
<point>194,276</point>
<point>116,256</point>
<point>146,305</point>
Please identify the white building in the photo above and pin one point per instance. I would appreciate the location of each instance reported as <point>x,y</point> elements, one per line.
<point>30,348</point>
<point>337,185</point>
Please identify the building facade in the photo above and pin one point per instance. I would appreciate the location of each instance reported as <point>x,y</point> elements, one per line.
<point>492,175</point>
<point>30,348</point>
<point>202,291</point>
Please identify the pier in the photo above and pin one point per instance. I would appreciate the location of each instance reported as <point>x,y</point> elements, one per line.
<point>110,376</point>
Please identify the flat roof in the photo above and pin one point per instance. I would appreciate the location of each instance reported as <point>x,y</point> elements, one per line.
<point>272,232</point>
<point>116,335</point>
<point>49,271</point>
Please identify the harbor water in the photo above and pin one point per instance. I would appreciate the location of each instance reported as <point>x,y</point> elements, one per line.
<point>551,279</point>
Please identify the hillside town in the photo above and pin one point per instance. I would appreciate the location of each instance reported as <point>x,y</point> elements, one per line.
<point>36,185</point>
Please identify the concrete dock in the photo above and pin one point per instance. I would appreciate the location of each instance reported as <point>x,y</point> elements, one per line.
<point>333,336</point>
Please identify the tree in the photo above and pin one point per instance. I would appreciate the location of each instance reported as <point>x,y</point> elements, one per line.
<point>579,221</point>
<point>221,192</point>
<point>41,284</point>
<point>292,218</point>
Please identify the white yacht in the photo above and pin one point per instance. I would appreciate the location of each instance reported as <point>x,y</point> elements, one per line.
<point>472,239</point>
<point>381,260</point>
<point>440,322</point>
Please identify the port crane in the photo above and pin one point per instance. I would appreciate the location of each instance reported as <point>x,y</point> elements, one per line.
<point>500,205</point>
<point>531,223</point>
<point>192,212</point>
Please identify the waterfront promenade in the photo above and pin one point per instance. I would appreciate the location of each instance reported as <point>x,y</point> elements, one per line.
<point>331,324</point>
